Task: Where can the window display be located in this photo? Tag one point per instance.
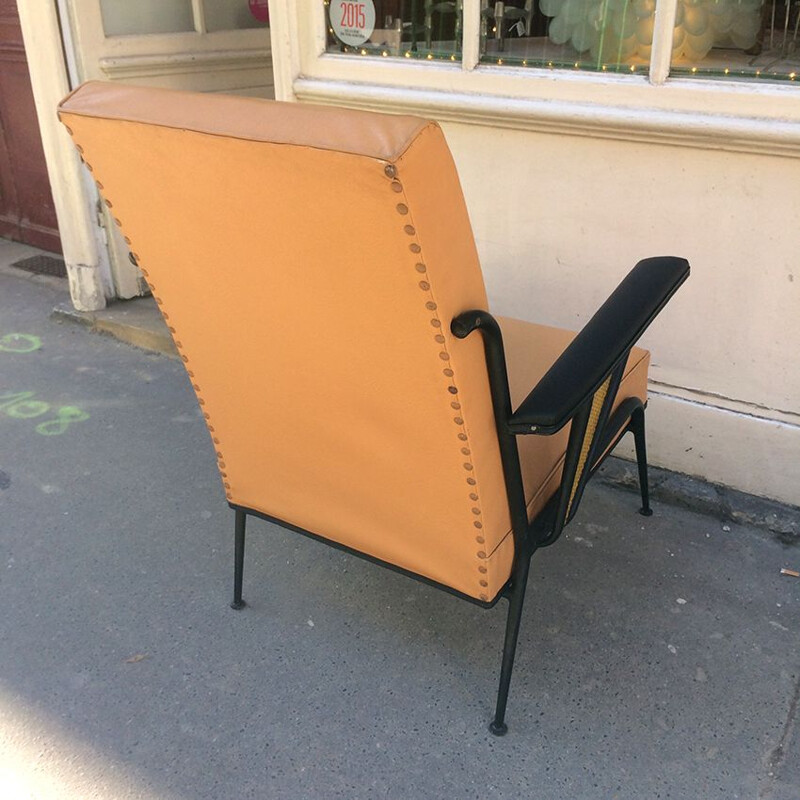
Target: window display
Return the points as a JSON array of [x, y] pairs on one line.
[[750, 39]]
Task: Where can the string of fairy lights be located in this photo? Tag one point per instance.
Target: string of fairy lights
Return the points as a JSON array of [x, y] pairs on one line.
[[616, 36]]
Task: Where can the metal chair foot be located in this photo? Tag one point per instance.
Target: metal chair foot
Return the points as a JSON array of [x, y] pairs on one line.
[[237, 604], [646, 512], [498, 730]]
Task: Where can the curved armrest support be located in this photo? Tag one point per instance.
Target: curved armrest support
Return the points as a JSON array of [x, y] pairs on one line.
[[604, 341]]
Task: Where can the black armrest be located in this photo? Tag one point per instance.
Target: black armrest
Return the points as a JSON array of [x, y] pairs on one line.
[[607, 338]]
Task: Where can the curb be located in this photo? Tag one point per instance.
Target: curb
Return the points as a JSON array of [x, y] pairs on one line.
[[137, 322], [711, 499]]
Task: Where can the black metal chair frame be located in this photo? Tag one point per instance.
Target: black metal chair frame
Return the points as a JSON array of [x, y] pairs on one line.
[[579, 389]]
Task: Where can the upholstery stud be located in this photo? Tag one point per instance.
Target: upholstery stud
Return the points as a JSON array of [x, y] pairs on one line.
[[466, 451], [118, 223], [452, 389], [480, 540], [439, 338], [127, 239], [390, 171], [424, 285], [468, 467], [481, 554], [410, 230], [462, 436], [482, 569], [472, 495], [445, 357], [458, 420], [476, 510], [436, 323], [431, 306], [448, 372], [455, 406], [422, 268], [471, 481], [483, 583], [478, 524], [484, 596], [402, 208], [414, 248], [396, 186]]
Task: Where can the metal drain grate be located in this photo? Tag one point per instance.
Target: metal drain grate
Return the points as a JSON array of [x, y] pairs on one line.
[[43, 265]]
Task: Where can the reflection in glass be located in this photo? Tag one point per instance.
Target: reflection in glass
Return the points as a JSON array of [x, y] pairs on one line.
[[229, 15], [429, 29], [126, 18], [738, 39]]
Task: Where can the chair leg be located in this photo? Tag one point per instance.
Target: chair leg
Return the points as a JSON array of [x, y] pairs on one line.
[[498, 726], [238, 559], [637, 428]]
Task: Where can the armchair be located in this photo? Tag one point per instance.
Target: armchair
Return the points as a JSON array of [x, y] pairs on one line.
[[318, 272]]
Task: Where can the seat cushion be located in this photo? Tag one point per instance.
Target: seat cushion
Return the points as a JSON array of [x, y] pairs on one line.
[[530, 351]]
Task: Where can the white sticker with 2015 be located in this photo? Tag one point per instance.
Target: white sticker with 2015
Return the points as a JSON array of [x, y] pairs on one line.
[[352, 22]]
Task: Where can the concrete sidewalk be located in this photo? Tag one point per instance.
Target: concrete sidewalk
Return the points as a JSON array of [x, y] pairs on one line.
[[659, 658]]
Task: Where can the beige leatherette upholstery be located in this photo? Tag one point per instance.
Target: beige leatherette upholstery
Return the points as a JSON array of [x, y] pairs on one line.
[[308, 261]]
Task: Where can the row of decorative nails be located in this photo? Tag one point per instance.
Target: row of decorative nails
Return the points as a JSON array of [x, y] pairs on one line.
[[178, 345], [390, 170]]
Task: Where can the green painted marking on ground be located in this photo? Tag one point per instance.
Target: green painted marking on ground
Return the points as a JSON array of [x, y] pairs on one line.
[[19, 343], [21, 405]]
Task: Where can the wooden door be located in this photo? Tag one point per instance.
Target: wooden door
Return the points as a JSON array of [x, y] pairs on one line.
[[27, 212]]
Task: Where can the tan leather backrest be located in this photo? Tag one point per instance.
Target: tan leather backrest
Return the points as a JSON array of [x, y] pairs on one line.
[[309, 261]]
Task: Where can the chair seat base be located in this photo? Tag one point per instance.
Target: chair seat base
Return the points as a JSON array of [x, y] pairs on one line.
[[245, 511]]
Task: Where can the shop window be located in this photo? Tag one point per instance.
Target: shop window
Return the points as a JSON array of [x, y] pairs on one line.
[[729, 39], [428, 29], [601, 35], [710, 38], [748, 39]]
